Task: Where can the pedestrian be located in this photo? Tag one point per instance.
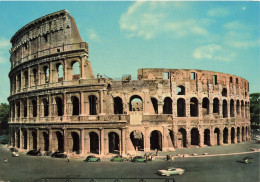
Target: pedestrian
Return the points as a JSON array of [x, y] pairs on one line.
[[6, 160], [68, 159]]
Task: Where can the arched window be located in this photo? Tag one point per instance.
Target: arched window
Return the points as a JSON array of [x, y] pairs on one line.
[[45, 107], [75, 70], [34, 108], [18, 109], [60, 72], [59, 106], [35, 73], [118, 105], [205, 106], [92, 104], [181, 107], [224, 107], [224, 92], [155, 105], [238, 106], [75, 105], [231, 108], [242, 108], [26, 78], [167, 105], [194, 107], [25, 108], [136, 103], [180, 90], [216, 105], [19, 81], [46, 73]]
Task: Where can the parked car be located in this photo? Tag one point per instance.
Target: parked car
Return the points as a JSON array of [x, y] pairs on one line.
[[117, 158], [171, 171], [59, 155], [248, 160], [92, 158], [13, 149], [139, 159], [34, 152]]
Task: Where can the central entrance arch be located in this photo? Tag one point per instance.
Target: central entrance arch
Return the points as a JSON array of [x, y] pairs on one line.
[[94, 142], [113, 143], [60, 140], [156, 140], [195, 139], [137, 139], [75, 138]]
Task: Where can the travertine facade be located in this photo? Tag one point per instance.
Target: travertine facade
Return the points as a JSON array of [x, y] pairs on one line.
[[56, 103]]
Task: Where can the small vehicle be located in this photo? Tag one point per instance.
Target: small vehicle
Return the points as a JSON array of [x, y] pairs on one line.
[[15, 154], [34, 153], [248, 160], [13, 149], [117, 158], [139, 159], [59, 155], [171, 171], [92, 158]]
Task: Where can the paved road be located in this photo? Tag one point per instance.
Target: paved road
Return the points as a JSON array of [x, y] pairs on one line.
[[213, 169]]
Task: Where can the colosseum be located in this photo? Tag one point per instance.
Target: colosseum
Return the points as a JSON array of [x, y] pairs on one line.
[[57, 104]]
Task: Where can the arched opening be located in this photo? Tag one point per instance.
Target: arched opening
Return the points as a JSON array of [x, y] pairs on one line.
[[167, 105], [224, 109], [25, 139], [34, 108], [238, 106], [118, 105], [45, 107], [216, 105], [92, 104], [60, 72], [46, 141], [242, 108], [232, 135], [181, 107], [60, 140], [232, 108], [195, 138], [59, 106], [224, 92], [75, 70], [34, 136], [19, 81], [246, 132], [137, 139], [94, 142], [75, 106], [207, 137], [171, 134], [75, 139], [25, 78], [136, 103], [180, 90], [35, 75], [182, 138], [18, 109], [243, 134], [46, 75], [238, 134], [155, 140], [205, 106], [113, 142], [194, 107], [155, 105], [25, 108], [225, 135], [217, 136]]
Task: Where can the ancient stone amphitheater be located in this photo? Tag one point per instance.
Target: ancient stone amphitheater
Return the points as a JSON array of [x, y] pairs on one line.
[[56, 103]]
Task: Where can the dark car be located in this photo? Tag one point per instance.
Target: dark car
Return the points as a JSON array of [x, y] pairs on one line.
[[34, 153], [92, 158], [13, 149], [59, 155]]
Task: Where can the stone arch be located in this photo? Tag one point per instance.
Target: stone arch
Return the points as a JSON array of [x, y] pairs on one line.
[[155, 140], [224, 92], [136, 103], [34, 140], [171, 135], [205, 106], [238, 106], [194, 110], [232, 107], [59, 106], [246, 133], [75, 139], [24, 134], [75, 70], [232, 135], [60, 72], [18, 109], [217, 136], [137, 139], [34, 107], [35, 76], [180, 90], [59, 141], [216, 105], [182, 138], [242, 108], [114, 144], [195, 136], [167, 105], [25, 74], [224, 109], [94, 142], [92, 105], [46, 74], [238, 134], [75, 105], [45, 107], [181, 107], [45, 141], [225, 135], [207, 137], [155, 104], [118, 105]]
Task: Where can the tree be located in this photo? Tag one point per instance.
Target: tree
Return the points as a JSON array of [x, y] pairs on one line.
[[255, 109], [4, 115]]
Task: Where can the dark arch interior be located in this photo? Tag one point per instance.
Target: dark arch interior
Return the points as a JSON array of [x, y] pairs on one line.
[[113, 143], [137, 140], [156, 140], [118, 105], [167, 106], [94, 142]]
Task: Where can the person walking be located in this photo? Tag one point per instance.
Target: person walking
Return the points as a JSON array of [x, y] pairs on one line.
[[68, 159]]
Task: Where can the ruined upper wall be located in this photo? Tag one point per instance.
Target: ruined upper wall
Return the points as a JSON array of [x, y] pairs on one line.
[[180, 76], [55, 32]]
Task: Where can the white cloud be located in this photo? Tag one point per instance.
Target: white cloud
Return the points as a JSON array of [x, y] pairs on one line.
[[218, 12], [150, 19], [213, 52], [93, 35]]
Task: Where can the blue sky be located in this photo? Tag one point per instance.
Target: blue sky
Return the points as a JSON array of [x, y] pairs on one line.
[[125, 36]]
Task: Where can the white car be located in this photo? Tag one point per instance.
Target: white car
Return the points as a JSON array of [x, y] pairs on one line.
[[15, 154], [170, 171]]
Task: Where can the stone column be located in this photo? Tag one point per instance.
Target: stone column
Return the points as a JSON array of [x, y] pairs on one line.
[[38, 109], [101, 95], [28, 139], [188, 137], [221, 108], [228, 108], [82, 110], [160, 107], [39, 75], [235, 135], [176, 138], [187, 105], [64, 107], [20, 138], [229, 135], [28, 109], [200, 108], [65, 142], [123, 141], [220, 136], [146, 140], [211, 108], [82, 138], [50, 107], [101, 145], [51, 74], [22, 81], [201, 137], [50, 140], [65, 70], [29, 78], [82, 70], [38, 138], [164, 139], [87, 144]]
